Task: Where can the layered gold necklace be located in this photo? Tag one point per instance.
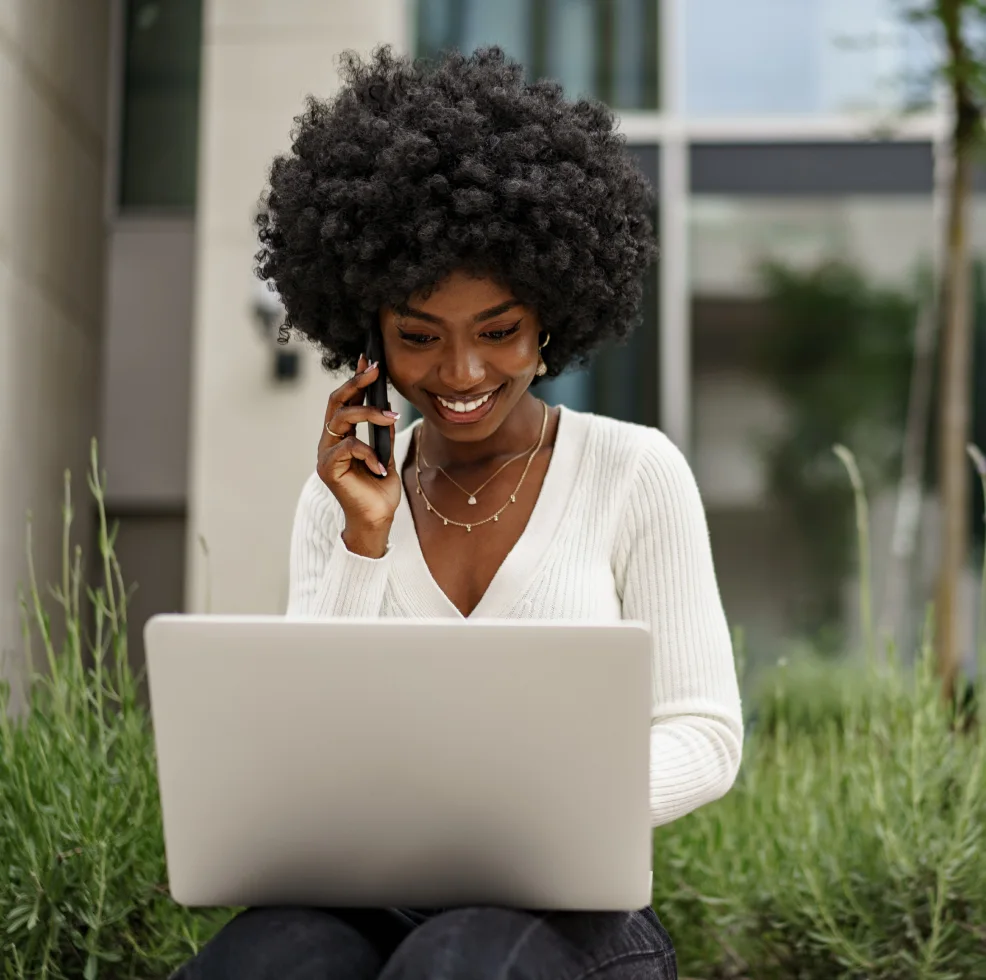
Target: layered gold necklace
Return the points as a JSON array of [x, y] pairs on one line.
[[446, 521], [473, 494]]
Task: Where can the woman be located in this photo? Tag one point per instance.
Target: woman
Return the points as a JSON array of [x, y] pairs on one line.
[[497, 234]]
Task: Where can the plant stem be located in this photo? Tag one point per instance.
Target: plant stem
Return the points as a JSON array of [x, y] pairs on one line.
[[863, 537], [979, 462]]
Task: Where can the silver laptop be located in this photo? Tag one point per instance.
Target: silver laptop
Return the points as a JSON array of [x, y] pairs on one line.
[[423, 764]]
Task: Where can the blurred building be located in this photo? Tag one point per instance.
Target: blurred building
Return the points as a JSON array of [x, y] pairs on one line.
[[136, 135]]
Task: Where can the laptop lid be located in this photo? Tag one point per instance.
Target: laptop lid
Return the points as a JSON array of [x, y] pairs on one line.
[[403, 763]]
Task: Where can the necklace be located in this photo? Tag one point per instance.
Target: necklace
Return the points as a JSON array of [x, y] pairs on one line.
[[513, 497], [475, 493]]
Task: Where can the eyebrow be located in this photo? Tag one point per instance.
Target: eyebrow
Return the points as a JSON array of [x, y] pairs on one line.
[[493, 311]]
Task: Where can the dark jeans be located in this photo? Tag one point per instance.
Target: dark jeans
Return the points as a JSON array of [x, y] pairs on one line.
[[464, 944]]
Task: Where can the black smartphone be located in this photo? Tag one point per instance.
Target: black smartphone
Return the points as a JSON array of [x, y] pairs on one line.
[[376, 395]]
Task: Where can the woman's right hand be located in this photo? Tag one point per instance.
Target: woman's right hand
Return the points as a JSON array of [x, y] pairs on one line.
[[369, 502]]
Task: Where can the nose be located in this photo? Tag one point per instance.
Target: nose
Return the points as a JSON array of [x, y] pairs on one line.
[[463, 368]]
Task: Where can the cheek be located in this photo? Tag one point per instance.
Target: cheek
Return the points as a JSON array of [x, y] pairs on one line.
[[402, 373], [524, 353], [512, 361]]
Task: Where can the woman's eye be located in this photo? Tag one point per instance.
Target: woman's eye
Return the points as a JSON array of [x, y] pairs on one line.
[[497, 335], [418, 339]]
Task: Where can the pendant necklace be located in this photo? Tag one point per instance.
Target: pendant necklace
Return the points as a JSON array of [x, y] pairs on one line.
[[511, 500]]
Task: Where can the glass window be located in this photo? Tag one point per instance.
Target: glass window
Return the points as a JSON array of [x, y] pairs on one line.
[[802, 319], [602, 48], [762, 57], [159, 139]]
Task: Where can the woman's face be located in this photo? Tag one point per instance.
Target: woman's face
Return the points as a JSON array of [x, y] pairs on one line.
[[464, 356]]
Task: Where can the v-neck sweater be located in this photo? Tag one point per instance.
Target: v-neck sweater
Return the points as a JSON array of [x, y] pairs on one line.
[[618, 532]]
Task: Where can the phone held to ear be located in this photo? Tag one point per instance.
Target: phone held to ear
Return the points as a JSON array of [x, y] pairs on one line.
[[376, 396]]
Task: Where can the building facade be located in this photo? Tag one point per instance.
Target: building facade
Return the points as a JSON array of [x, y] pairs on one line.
[[54, 126], [129, 307]]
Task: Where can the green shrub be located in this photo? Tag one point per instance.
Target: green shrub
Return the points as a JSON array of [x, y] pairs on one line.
[[85, 892], [807, 693], [850, 847]]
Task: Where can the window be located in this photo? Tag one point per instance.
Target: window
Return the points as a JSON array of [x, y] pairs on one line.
[[760, 57], [602, 48], [159, 138], [790, 358]]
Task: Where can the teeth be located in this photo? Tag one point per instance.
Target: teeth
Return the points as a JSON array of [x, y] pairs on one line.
[[465, 406]]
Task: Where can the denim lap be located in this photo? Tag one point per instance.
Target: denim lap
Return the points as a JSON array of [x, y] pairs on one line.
[[286, 944], [504, 944], [461, 944]]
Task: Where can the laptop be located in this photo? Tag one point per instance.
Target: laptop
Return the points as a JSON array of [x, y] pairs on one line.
[[409, 763]]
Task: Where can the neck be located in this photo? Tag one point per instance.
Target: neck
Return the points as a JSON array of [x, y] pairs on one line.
[[519, 431]]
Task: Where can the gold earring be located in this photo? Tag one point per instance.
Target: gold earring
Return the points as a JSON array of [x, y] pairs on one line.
[[542, 368]]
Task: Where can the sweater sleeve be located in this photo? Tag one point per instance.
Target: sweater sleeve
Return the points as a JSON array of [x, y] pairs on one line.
[[326, 579], [666, 578]]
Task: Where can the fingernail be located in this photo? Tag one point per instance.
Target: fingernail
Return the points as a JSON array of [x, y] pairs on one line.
[[383, 470], [372, 365], [392, 415]]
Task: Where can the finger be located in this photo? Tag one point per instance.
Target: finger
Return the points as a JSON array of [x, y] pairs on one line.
[[361, 381], [334, 431], [351, 391], [332, 436], [345, 420], [350, 415], [342, 455]]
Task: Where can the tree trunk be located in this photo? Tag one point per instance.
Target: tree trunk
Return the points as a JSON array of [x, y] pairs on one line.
[[954, 413], [907, 520]]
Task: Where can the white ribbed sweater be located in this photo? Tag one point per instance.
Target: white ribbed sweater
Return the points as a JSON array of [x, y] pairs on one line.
[[618, 532]]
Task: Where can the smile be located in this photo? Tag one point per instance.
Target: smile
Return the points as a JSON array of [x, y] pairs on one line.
[[465, 406], [461, 410]]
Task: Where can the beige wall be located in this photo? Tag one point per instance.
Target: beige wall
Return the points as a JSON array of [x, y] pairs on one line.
[[53, 58], [147, 343], [253, 442], [145, 408]]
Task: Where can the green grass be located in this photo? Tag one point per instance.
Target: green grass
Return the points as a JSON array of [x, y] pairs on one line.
[[851, 846], [80, 820]]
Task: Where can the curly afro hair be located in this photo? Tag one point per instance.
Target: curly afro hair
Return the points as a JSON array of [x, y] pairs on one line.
[[415, 170]]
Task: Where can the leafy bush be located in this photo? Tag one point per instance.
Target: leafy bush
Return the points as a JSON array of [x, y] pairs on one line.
[[852, 845], [80, 824], [808, 693]]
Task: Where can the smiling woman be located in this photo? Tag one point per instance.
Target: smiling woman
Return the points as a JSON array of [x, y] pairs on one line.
[[485, 233]]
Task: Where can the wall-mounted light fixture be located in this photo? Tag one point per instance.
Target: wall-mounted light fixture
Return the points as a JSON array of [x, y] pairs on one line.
[[268, 312]]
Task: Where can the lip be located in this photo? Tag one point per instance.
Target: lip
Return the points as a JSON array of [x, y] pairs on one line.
[[465, 418]]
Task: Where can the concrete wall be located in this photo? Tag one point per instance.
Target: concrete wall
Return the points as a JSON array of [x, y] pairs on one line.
[[145, 408], [148, 338], [253, 441], [53, 62]]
